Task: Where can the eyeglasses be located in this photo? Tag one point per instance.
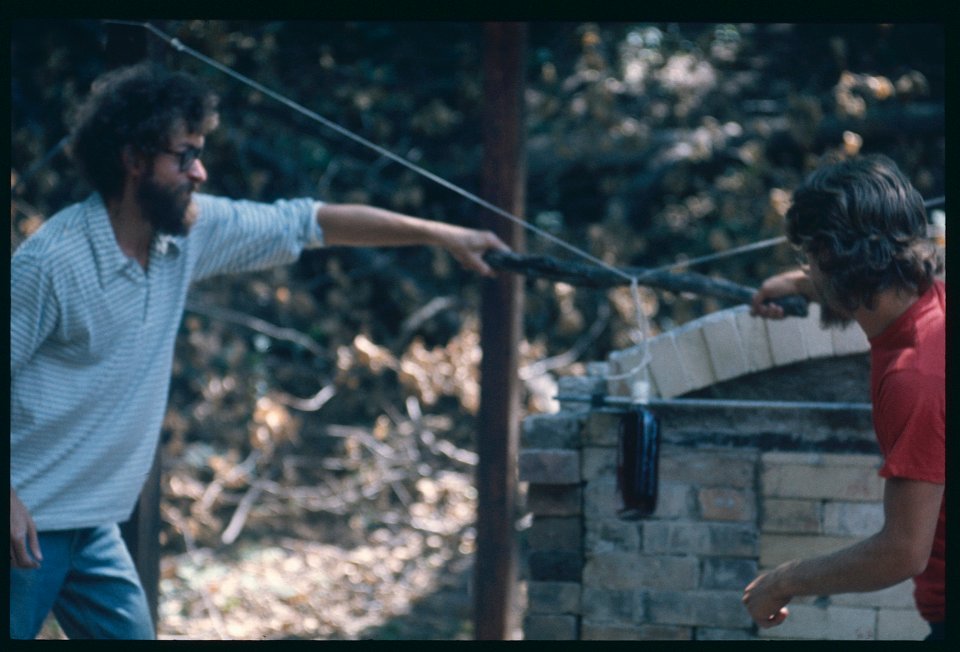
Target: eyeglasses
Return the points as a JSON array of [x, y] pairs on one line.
[[187, 156]]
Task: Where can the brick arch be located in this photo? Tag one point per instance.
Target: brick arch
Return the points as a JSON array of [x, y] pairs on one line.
[[728, 344]]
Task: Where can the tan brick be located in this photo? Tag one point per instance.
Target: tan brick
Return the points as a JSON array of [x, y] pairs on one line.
[[901, 625], [817, 340], [606, 632], [778, 548], [849, 340], [727, 504], [867, 460], [601, 500], [553, 597], [559, 430], [555, 500], [786, 341], [727, 352], [627, 570], [821, 459], [601, 429], [616, 571], [602, 605], [674, 500], [756, 341], [791, 515], [666, 366], [898, 596], [537, 627], [698, 608], [596, 462], [612, 535], [549, 466], [555, 533], [707, 467], [699, 538], [694, 356], [852, 519], [855, 483]]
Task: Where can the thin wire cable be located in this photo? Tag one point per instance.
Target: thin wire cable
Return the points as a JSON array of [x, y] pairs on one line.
[[180, 47], [642, 322], [763, 244]]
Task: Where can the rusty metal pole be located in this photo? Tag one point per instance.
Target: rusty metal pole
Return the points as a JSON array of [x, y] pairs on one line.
[[503, 180]]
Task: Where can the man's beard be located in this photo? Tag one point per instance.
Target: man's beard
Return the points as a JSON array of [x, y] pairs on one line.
[[171, 211], [831, 316]]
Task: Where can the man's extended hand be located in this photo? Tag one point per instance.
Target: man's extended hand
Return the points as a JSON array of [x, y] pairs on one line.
[[781, 285], [467, 247], [23, 533]]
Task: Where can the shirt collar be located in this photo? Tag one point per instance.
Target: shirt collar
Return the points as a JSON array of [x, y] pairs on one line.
[[107, 255]]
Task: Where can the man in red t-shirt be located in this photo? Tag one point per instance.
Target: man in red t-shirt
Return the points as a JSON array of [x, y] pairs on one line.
[[862, 229]]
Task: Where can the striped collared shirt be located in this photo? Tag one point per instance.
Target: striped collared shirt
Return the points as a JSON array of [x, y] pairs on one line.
[[91, 345]]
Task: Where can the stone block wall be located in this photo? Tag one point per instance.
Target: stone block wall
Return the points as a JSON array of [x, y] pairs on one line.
[[739, 491]]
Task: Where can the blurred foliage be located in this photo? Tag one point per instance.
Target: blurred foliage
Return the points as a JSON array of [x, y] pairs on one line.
[[646, 144]]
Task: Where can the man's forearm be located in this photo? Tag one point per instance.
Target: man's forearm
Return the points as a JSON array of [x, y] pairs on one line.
[[367, 226], [869, 565]]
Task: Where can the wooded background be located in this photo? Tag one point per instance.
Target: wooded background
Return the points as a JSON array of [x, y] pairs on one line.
[[328, 400]]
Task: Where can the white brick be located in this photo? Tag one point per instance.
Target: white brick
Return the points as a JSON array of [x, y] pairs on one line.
[[849, 340], [898, 596], [694, 356], [624, 362], [832, 624], [901, 625], [666, 366], [756, 341], [786, 340], [723, 341], [819, 341], [852, 519]]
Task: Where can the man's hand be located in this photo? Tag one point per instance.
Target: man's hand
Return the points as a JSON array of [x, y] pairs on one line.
[[23, 533], [785, 284], [765, 599], [467, 247]]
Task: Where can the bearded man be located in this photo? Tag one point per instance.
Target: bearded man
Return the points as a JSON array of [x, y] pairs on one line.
[[97, 297]]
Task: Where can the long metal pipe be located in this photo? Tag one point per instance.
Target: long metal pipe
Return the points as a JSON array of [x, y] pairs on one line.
[[600, 400]]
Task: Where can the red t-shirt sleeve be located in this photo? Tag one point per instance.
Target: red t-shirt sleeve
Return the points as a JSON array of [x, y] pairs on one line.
[[910, 426]]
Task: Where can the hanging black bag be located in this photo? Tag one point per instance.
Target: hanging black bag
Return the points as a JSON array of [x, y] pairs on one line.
[[638, 455]]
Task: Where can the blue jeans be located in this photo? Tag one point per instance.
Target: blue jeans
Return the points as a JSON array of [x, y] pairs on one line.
[[937, 632], [88, 579]]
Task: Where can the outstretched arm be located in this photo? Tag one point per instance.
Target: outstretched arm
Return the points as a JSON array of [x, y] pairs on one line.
[[366, 226], [898, 552]]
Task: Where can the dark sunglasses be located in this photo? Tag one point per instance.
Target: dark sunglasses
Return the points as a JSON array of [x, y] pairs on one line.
[[187, 156]]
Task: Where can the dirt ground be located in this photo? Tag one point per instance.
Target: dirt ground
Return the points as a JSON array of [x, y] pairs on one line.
[[403, 581]]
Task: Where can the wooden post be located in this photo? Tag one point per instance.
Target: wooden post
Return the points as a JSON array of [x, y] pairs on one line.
[[503, 178], [142, 536], [125, 45]]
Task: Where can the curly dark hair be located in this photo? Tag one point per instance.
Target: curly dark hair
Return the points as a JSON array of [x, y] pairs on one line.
[[865, 225], [138, 106]]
